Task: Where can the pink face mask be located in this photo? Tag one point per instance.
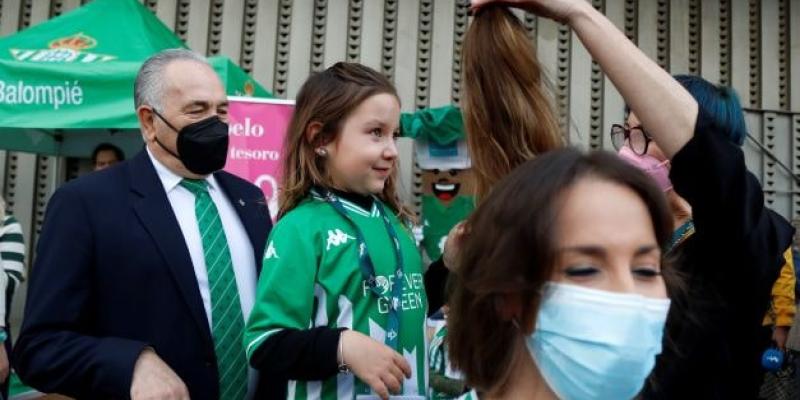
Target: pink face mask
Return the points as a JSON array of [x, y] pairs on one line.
[[658, 170]]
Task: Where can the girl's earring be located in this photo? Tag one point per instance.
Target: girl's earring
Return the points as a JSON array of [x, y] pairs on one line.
[[321, 151]]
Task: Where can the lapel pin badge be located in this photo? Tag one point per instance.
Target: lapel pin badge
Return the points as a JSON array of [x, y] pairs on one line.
[[241, 202]]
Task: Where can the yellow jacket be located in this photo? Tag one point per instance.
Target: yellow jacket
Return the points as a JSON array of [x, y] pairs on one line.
[[782, 309]]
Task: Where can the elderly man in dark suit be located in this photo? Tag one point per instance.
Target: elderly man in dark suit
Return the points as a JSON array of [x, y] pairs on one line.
[[146, 271]]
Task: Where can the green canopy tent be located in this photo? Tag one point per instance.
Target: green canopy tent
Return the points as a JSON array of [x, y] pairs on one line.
[[67, 84]]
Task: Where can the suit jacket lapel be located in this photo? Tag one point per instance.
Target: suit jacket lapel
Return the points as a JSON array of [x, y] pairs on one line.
[[155, 213]]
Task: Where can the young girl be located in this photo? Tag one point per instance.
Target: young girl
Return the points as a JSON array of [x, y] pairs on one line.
[[341, 304]]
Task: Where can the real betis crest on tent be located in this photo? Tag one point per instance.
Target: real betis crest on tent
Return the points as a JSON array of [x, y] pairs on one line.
[[67, 83]]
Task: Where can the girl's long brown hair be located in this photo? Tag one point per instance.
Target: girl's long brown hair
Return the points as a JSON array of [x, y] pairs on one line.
[[328, 98], [508, 116]]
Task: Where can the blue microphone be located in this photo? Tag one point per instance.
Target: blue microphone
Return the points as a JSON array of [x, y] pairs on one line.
[[772, 359]]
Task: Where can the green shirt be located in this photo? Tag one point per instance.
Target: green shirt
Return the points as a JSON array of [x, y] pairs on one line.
[[438, 219], [311, 278]]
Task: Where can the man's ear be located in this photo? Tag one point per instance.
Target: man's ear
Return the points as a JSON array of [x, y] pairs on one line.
[[147, 122]]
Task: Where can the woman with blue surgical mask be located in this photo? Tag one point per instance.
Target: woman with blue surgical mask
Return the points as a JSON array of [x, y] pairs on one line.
[[559, 289], [568, 299], [554, 293]]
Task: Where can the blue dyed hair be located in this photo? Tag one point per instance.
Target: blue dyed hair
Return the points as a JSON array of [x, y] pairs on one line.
[[721, 104]]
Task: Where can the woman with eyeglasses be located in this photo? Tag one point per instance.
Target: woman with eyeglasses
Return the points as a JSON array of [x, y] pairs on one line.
[[716, 327], [635, 145]]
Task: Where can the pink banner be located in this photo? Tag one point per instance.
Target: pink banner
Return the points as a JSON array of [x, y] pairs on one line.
[[256, 128]]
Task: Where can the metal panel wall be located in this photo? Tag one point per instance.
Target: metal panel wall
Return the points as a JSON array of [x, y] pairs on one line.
[[753, 45]]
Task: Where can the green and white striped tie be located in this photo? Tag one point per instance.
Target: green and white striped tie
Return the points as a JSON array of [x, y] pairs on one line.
[[226, 310]]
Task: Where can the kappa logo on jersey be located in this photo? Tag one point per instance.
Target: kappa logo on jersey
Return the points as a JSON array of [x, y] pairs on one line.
[[271, 253], [337, 238]]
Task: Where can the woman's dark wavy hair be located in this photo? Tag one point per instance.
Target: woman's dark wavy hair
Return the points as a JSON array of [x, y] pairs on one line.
[[510, 249]]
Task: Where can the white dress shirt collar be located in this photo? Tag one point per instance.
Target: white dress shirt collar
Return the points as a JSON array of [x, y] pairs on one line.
[[170, 179]]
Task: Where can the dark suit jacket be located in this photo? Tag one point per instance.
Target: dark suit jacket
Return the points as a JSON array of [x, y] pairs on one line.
[[112, 275]]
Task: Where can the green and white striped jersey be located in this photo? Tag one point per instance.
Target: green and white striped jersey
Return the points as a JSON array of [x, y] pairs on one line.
[[445, 382], [311, 278], [12, 249]]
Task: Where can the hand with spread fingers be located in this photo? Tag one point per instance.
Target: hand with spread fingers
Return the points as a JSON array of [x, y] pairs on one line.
[[380, 367]]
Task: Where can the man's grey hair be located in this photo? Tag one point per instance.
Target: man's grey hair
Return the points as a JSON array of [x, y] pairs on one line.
[[149, 86]]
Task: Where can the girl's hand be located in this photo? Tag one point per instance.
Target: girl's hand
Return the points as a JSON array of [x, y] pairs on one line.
[[559, 10], [380, 367]]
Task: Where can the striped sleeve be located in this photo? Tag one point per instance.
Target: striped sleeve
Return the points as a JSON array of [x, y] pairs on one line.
[[4, 280], [12, 250]]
